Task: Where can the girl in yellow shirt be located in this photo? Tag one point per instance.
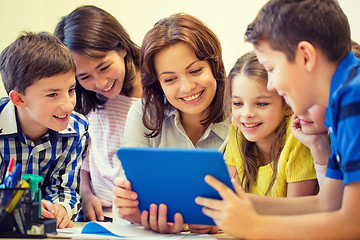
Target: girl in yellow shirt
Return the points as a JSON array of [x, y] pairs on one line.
[[262, 153]]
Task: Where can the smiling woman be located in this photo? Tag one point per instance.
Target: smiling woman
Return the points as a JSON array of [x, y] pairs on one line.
[[183, 78]]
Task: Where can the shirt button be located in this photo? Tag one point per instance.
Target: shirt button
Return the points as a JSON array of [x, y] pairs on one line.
[[338, 157], [330, 130]]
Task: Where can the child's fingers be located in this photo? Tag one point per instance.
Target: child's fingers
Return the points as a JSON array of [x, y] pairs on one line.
[[214, 214], [47, 209], [224, 191], [89, 214], [238, 189], [98, 213], [64, 221], [209, 203], [62, 218]]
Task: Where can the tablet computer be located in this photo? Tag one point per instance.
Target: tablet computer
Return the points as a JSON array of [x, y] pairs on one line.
[[175, 177]]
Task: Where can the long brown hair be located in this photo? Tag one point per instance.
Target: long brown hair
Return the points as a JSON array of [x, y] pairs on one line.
[[166, 32], [92, 31], [249, 65]]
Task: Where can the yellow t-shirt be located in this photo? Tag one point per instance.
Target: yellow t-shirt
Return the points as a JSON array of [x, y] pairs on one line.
[[295, 164]]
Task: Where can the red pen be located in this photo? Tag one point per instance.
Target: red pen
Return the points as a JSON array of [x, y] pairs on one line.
[[10, 167]]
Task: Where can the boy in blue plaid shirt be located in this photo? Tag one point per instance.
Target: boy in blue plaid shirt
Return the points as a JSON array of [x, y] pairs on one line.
[[38, 127]]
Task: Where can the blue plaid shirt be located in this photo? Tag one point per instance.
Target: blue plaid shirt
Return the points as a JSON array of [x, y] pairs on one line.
[[57, 157]]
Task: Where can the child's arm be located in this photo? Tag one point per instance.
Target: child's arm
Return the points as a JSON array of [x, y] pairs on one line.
[[301, 188], [326, 216], [91, 205], [64, 186]]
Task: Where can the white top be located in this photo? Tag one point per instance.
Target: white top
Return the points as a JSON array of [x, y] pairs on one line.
[[173, 133], [106, 130]]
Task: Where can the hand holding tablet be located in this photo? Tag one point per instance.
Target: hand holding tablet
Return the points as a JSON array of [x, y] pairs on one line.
[[174, 177]]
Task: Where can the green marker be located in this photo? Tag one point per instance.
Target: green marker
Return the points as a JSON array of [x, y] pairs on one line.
[[34, 182]]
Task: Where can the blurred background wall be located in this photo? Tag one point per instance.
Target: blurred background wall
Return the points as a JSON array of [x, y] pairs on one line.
[[227, 18]]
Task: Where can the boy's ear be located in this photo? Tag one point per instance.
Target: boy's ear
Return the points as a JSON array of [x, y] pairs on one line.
[[308, 54], [16, 99]]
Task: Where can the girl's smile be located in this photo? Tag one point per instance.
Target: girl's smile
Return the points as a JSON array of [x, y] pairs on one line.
[[111, 87], [251, 126]]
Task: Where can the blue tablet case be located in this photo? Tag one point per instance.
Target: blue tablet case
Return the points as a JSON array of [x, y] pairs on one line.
[[175, 177]]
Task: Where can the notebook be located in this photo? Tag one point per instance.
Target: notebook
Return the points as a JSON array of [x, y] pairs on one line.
[[175, 177]]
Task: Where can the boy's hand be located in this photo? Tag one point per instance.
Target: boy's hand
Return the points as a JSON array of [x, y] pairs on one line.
[[157, 220], [234, 213], [307, 139], [126, 201], [58, 211], [92, 208], [318, 143], [47, 209]]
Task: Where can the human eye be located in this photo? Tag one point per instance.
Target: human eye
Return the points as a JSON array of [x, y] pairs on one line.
[[51, 95], [104, 68], [237, 104], [262, 104], [169, 80], [196, 71], [84, 78]]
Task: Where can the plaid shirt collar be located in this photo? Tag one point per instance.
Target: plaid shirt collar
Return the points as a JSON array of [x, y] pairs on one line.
[[10, 126]]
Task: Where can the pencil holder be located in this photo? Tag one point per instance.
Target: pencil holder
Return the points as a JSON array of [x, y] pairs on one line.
[[12, 215], [19, 216]]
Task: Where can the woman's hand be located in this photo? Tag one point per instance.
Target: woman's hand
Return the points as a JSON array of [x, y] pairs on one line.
[[157, 220], [126, 201]]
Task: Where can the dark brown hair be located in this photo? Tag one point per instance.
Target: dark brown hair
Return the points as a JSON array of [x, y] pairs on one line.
[[33, 56], [249, 65], [89, 30], [167, 32], [355, 47], [285, 23]]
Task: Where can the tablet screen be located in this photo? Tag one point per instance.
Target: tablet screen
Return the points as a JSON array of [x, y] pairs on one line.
[[175, 177]]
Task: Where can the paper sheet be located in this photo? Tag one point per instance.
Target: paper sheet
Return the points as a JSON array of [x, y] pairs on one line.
[[106, 230]]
